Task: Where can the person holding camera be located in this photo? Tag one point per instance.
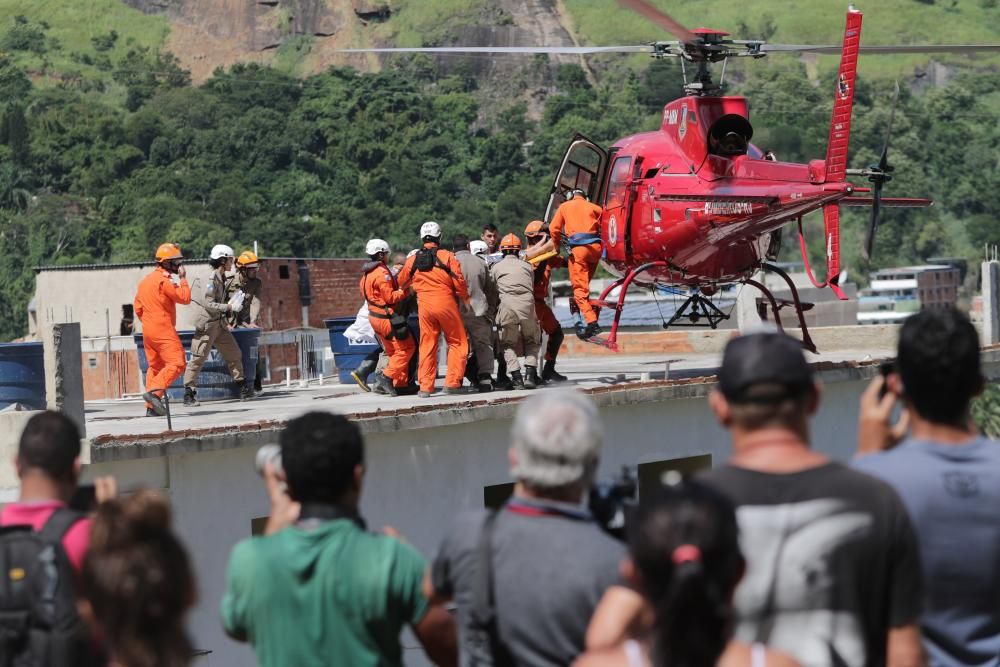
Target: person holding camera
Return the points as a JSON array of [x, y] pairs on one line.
[[318, 588], [526, 578], [948, 476]]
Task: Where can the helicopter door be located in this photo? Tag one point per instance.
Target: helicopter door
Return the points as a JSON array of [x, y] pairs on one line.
[[582, 167]]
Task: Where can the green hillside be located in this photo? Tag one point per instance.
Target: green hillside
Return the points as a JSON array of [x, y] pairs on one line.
[[82, 36], [808, 22]]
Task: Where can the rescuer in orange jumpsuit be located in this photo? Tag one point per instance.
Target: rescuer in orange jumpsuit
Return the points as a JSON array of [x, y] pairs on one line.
[[536, 236], [156, 307], [579, 222], [381, 291], [437, 279]]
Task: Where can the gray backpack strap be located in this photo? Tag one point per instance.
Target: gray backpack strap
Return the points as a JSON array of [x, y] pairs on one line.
[[483, 612]]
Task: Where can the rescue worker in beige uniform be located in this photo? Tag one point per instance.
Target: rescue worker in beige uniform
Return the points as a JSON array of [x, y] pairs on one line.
[[478, 316], [245, 280], [515, 280], [211, 328]]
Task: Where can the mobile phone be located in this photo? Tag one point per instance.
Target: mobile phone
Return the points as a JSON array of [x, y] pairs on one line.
[[885, 369], [84, 499]]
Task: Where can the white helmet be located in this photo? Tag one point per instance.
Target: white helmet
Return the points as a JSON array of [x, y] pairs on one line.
[[478, 247], [220, 251], [375, 246], [430, 229]]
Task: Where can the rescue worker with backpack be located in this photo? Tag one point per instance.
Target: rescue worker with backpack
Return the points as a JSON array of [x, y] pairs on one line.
[[382, 293], [437, 279], [541, 255], [155, 305], [579, 223], [516, 315], [211, 328], [42, 547]]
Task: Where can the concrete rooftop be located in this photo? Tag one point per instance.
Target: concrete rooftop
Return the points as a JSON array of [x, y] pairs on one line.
[[114, 424]]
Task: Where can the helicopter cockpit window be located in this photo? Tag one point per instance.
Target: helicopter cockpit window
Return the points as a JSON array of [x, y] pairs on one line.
[[730, 136], [618, 182]]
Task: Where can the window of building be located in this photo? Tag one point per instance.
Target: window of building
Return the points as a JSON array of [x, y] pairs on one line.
[[283, 272]]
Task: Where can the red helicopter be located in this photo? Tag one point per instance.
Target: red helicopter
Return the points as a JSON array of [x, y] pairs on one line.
[[695, 204]]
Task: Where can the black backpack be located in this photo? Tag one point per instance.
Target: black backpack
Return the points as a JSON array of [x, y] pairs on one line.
[[39, 622], [427, 259]]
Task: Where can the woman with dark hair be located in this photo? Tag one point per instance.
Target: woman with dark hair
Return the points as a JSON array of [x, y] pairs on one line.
[[136, 584], [684, 559]]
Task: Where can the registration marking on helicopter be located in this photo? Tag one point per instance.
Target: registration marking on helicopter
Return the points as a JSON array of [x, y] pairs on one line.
[[728, 208]]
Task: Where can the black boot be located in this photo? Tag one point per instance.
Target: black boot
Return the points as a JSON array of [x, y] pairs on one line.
[[384, 385], [361, 373], [189, 397], [484, 384], [246, 391], [530, 377], [549, 373], [156, 403], [592, 330], [516, 381]]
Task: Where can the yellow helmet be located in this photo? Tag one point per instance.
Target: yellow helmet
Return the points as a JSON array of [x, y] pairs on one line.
[[247, 260], [168, 251]]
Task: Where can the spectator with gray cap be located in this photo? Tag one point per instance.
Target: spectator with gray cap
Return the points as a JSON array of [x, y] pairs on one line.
[[526, 578], [833, 574]]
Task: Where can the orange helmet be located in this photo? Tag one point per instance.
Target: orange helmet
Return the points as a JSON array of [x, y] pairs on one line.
[[247, 260], [534, 228], [510, 242], [168, 251]]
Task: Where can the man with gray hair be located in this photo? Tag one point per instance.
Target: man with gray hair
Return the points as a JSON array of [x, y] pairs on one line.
[[526, 578]]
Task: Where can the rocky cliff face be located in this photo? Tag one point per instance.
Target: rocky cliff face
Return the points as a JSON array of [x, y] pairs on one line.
[[206, 34]]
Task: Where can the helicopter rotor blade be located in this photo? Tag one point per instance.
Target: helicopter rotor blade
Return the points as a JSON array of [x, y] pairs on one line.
[[517, 50], [660, 18], [883, 49], [873, 222], [883, 161]]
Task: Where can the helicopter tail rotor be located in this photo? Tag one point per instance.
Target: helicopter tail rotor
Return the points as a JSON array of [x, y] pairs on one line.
[[879, 174]]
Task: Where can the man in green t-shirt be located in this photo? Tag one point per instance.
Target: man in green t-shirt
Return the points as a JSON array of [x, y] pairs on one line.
[[318, 588]]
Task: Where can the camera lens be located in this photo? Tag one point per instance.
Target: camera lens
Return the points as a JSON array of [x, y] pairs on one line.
[[268, 454]]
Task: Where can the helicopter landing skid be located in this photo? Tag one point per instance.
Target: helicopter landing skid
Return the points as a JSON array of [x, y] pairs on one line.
[[611, 342], [796, 303]]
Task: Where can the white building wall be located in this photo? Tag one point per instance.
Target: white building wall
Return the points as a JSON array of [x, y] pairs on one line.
[[94, 297]]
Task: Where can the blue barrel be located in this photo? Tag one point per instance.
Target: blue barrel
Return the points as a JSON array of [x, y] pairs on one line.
[[214, 381], [346, 354], [22, 375]]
